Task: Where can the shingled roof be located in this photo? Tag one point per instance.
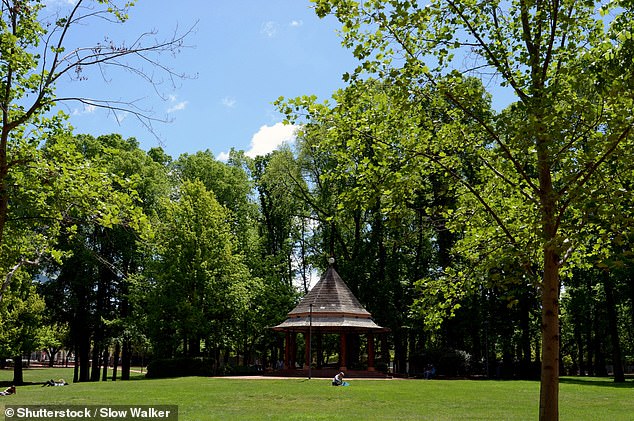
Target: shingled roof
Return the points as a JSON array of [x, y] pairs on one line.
[[334, 307]]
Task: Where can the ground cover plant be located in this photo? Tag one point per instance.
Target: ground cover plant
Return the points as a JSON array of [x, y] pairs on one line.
[[205, 398]]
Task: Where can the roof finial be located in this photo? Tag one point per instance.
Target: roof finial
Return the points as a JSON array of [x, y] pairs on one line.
[[331, 261]]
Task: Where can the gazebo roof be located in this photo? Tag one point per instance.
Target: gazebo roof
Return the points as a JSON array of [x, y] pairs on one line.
[[329, 306]]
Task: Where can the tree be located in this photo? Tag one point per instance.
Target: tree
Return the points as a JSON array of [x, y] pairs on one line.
[[198, 289], [54, 337], [572, 80], [89, 288], [36, 51], [376, 195], [21, 317], [230, 185]]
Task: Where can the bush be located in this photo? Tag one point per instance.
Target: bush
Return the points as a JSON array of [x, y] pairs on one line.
[[455, 362], [179, 367]]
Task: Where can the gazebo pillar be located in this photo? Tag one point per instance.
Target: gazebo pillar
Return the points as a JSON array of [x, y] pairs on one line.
[[343, 357], [307, 356], [287, 350], [370, 338], [293, 350], [320, 354]]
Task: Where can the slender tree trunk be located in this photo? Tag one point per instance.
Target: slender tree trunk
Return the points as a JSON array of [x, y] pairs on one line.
[[598, 368], [105, 358], [76, 370], [525, 360], [126, 359], [115, 362], [617, 360], [96, 357], [580, 359], [589, 344], [549, 390], [51, 358], [549, 385], [4, 140]]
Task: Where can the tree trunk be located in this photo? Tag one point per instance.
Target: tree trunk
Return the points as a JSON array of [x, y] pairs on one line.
[[52, 353], [580, 359], [617, 360], [76, 370], [115, 360], [126, 359], [549, 387], [96, 357], [589, 345], [525, 341], [105, 358], [18, 374], [598, 368], [194, 346], [83, 354]]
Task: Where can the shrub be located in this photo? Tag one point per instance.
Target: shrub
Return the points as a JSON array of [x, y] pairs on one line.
[[454, 362]]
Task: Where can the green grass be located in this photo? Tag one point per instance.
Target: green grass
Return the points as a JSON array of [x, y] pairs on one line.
[[201, 398]]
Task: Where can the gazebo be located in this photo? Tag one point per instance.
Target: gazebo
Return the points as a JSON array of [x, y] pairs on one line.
[[328, 308]]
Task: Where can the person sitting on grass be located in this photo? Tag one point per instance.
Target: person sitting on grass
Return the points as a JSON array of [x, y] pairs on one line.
[[51, 382], [338, 379], [430, 372], [8, 391]]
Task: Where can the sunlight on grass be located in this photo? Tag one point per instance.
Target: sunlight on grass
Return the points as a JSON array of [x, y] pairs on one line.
[[225, 398]]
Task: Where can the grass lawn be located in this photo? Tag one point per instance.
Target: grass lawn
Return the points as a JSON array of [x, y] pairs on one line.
[[200, 398]]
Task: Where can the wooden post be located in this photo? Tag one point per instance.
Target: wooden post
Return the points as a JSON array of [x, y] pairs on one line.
[[307, 350], [370, 338], [287, 350], [320, 354], [342, 351], [293, 350]]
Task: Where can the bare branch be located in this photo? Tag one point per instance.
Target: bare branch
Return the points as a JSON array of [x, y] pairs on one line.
[[467, 110], [9, 277], [101, 55]]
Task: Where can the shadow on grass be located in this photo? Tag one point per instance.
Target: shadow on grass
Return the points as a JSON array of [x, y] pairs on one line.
[[7, 383], [597, 381]]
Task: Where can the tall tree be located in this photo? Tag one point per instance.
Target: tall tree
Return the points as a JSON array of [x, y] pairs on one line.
[[375, 205], [198, 288], [564, 69], [36, 50], [89, 288]]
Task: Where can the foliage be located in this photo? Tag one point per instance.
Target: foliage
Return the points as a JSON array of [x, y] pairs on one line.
[[36, 51], [198, 287], [21, 316], [546, 159]]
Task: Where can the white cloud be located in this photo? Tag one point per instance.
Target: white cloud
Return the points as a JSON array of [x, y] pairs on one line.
[[267, 139], [296, 23], [223, 156], [229, 102], [177, 107], [119, 116], [269, 28], [88, 109]]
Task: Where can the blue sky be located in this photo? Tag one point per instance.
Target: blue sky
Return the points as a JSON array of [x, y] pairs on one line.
[[244, 54]]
